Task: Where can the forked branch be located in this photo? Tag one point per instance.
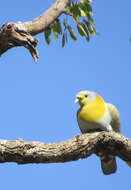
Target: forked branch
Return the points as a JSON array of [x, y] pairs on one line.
[[20, 34]]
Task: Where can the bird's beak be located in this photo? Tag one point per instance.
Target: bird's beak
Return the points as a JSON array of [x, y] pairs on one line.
[[76, 101], [78, 98]]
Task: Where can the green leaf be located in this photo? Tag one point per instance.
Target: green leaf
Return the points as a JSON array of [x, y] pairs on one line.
[[90, 28], [83, 13], [86, 10], [70, 9], [80, 29], [47, 35], [86, 32], [57, 27], [89, 8], [55, 35], [66, 36], [73, 36], [63, 40], [76, 11], [83, 30], [64, 22], [82, 7], [90, 18]]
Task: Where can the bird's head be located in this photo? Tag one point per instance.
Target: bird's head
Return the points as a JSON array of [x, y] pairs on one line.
[[86, 97]]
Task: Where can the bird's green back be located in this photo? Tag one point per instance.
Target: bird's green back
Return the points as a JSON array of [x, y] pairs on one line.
[[115, 123]]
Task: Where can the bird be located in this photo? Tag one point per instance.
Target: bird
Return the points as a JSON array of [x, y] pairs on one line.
[[94, 115]]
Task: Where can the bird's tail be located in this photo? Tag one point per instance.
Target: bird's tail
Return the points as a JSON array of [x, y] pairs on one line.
[[108, 164]]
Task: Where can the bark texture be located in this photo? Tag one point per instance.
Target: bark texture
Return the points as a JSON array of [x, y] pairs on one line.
[[81, 146], [20, 34]]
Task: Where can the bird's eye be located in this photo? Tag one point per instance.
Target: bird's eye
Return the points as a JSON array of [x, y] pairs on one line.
[[86, 95]]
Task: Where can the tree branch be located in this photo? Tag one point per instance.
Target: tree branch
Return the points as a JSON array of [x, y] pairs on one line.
[[20, 34], [41, 23], [81, 146]]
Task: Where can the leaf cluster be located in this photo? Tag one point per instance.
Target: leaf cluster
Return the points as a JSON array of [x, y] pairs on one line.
[[81, 12]]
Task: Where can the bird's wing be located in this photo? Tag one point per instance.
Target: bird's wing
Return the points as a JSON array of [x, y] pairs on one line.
[[115, 118]]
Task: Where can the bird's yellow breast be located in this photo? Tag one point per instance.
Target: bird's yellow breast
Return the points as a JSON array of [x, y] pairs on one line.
[[92, 111]]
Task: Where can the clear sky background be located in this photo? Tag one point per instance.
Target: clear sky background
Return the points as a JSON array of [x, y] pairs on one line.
[[37, 100]]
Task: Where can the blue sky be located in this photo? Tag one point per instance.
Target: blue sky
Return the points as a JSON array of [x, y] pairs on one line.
[[37, 100]]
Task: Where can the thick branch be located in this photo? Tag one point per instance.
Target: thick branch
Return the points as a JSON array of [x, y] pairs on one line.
[[80, 146], [12, 35], [39, 24], [20, 34]]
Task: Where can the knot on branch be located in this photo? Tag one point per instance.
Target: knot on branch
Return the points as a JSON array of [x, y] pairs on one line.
[[113, 144], [12, 34]]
